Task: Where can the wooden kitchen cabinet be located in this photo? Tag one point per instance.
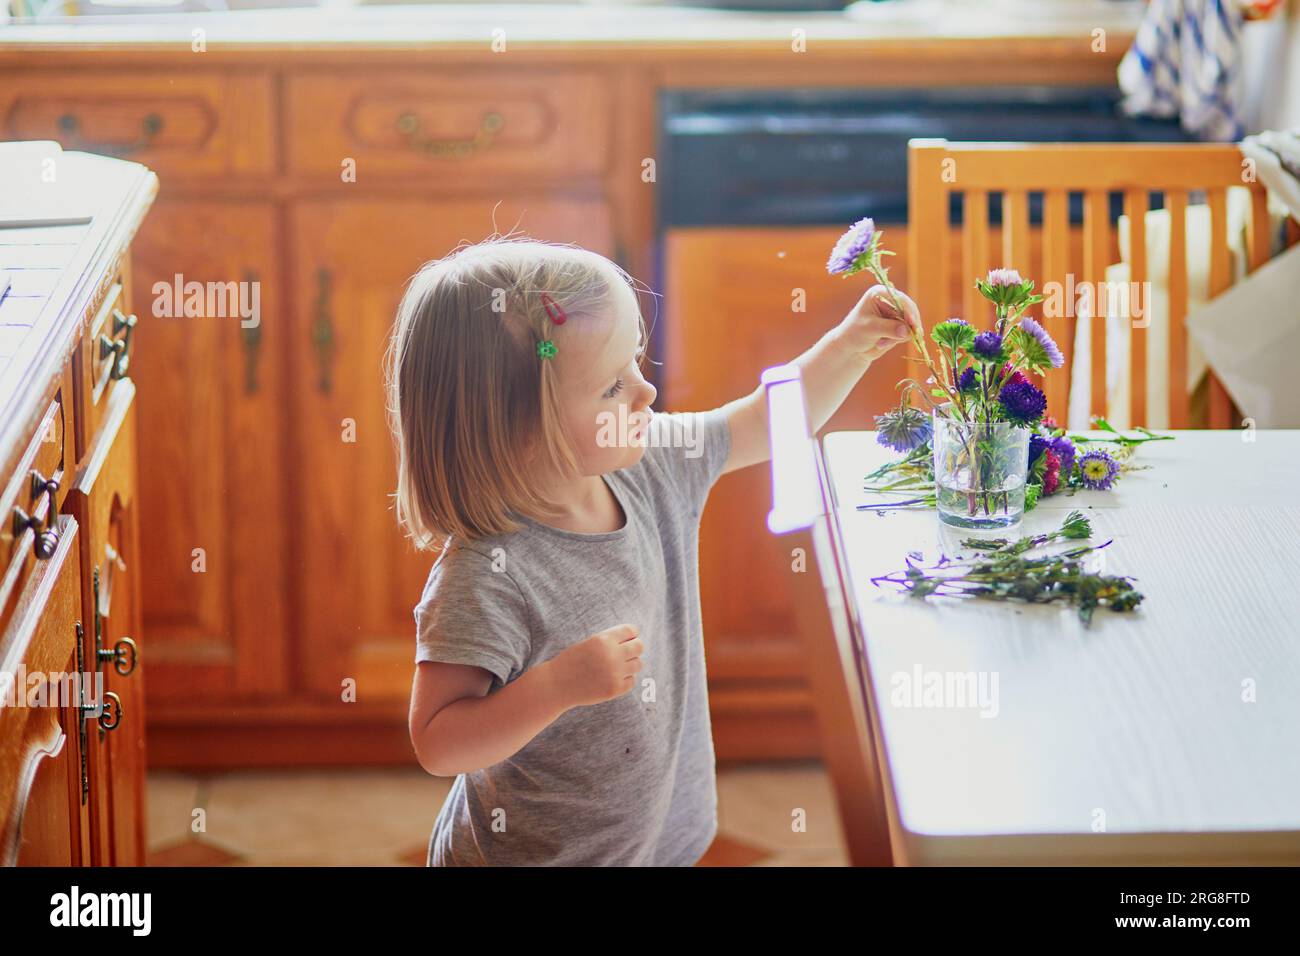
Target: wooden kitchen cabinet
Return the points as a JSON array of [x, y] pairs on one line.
[[214, 470], [358, 579], [730, 313], [72, 766]]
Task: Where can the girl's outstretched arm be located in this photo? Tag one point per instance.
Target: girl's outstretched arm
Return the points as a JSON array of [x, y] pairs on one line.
[[830, 370]]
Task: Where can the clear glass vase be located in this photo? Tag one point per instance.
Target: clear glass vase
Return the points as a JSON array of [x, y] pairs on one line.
[[979, 471]]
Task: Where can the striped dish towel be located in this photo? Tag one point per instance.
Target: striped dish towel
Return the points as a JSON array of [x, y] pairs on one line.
[[1184, 62]]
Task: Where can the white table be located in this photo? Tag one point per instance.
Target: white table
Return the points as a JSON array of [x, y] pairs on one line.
[[1128, 741]]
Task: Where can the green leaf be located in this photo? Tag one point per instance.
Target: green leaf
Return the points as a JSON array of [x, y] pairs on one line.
[[938, 393], [1039, 469], [1076, 525], [953, 335], [1031, 496]]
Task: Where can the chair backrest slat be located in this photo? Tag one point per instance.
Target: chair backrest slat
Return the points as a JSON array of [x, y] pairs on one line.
[[975, 245], [1220, 404], [1056, 268], [1176, 203], [1136, 202], [1260, 239], [1096, 249], [1015, 231], [927, 222]]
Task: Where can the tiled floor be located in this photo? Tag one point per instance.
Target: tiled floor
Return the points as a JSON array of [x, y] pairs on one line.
[[768, 815]]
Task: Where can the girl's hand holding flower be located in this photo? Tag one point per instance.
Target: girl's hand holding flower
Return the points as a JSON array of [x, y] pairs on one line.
[[874, 325]]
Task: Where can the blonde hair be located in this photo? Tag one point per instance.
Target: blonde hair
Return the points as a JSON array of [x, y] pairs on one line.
[[470, 402]]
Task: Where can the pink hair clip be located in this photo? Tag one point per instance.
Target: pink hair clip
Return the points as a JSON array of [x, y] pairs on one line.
[[553, 309]]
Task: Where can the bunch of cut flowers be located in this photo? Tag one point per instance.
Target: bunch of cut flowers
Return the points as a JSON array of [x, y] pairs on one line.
[[982, 377], [1003, 570]]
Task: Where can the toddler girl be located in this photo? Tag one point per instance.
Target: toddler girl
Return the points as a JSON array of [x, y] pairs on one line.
[[560, 661]]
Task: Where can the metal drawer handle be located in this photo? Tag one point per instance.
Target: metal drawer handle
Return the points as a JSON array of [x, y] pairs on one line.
[[252, 344], [150, 127], [111, 713], [124, 325], [124, 656], [46, 542], [108, 712], [125, 653], [114, 350], [322, 330], [408, 124]]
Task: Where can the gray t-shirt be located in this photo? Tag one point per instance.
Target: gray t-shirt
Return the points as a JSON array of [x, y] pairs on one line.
[[629, 781]]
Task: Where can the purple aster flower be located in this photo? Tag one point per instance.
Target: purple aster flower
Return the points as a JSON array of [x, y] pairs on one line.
[[959, 321], [1037, 445], [1023, 403], [966, 381], [903, 429], [1098, 470], [850, 247], [1040, 336], [988, 345], [1003, 278], [1064, 449]]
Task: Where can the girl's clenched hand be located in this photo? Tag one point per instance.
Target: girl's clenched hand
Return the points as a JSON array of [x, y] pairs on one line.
[[874, 326], [599, 668]]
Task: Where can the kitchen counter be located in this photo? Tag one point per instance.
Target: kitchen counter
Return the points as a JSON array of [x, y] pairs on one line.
[[59, 275], [649, 29]]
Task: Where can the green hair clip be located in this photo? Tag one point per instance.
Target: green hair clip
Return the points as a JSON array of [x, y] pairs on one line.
[[546, 349]]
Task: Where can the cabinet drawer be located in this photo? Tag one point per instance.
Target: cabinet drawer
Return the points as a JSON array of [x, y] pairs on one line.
[[29, 529], [188, 122], [104, 357], [406, 123]]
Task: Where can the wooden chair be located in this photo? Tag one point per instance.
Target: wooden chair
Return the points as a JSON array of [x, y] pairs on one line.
[[835, 665], [937, 169]]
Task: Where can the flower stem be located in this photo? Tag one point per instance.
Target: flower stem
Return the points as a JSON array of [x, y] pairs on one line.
[[918, 339]]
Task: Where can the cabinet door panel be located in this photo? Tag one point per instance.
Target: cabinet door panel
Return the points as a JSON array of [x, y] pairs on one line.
[[730, 313], [43, 814], [104, 501], [358, 578], [211, 403]]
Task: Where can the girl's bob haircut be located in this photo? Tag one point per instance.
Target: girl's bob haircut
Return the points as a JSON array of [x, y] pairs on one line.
[[473, 408]]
